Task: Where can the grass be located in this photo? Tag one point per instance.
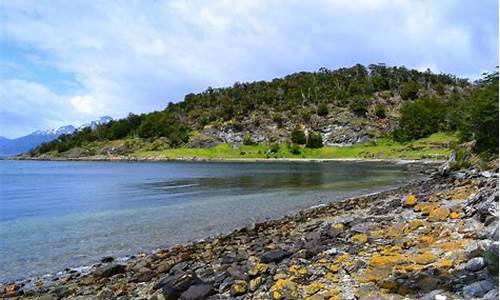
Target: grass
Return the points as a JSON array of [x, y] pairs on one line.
[[433, 147]]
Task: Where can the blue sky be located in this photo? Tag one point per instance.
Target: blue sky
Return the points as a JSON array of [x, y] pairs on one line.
[[68, 62]]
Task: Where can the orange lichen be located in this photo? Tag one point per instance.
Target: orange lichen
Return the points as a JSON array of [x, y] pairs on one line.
[[411, 200]]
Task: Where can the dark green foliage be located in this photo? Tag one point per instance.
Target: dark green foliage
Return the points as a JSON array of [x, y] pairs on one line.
[[314, 140], [322, 109], [380, 111], [484, 115], [359, 105], [247, 139], [420, 118], [295, 149], [298, 136], [409, 91]]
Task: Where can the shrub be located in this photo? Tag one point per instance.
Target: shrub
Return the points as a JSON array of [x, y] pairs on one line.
[[295, 149], [409, 91], [247, 139], [322, 109], [314, 140], [306, 116], [380, 111], [298, 136], [359, 105]]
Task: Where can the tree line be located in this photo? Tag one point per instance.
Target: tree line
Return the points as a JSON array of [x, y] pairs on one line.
[[306, 93]]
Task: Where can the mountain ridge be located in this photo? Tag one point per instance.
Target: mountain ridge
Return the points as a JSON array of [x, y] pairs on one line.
[[25, 143]]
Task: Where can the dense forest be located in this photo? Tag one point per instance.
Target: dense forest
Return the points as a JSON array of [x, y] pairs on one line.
[[415, 104]]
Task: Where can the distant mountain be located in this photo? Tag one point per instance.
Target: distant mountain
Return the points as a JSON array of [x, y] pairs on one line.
[[23, 144]]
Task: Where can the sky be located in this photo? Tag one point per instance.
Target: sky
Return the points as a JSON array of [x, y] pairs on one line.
[[69, 62]]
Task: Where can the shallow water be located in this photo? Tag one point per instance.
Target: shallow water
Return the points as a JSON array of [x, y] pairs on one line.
[[68, 214]]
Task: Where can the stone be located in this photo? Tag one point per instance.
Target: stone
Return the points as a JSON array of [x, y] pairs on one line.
[[274, 256], [238, 288], [478, 289], [255, 283], [174, 285], [144, 275], [197, 292], [107, 259], [258, 269], [454, 215], [363, 227], [105, 294], [475, 264], [411, 200], [110, 270], [439, 214], [11, 288]]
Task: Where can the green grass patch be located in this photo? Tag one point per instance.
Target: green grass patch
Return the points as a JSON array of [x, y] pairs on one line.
[[433, 147]]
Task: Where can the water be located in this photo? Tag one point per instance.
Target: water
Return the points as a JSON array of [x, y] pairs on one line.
[[55, 215]]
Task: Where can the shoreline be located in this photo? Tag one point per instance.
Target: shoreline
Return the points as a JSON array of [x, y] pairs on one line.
[[267, 259], [86, 269], [246, 160]]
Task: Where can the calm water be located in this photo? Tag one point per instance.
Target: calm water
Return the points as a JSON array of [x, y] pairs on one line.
[[68, 214]]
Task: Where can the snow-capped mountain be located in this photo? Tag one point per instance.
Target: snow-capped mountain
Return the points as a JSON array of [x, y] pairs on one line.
[[23, 144], [95, 123]]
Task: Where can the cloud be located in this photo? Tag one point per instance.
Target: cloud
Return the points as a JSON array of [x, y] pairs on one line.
[[136, 55]]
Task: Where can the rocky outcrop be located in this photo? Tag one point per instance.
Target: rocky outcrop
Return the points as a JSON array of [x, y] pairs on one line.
[[432, 239]]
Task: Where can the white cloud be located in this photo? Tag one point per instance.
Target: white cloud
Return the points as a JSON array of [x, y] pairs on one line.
[[86, 105], [136, 56]]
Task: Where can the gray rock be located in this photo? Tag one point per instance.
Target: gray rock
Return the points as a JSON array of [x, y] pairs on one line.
[[274, 256], [174, 285], [478, 289], [110, 270], [363, 227], [491, 295], [475, 264], [197, 292]]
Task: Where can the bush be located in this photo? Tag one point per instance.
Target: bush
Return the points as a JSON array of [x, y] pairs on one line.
[[274, 148], [420, 118], [380, 111], [298, 136], [322, 109], [409, 91], [295, 149], [359, 106], [247, 139], [314, 140]]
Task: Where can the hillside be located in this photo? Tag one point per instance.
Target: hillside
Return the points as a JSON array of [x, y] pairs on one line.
[[342, 107]]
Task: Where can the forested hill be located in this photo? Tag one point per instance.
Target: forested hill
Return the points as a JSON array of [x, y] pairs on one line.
[[343, 106]]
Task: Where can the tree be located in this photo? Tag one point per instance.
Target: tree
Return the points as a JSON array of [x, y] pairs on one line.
[[322, 109], [484, 115], [420, 118], [409, 91], [314, 140], [298, 136]]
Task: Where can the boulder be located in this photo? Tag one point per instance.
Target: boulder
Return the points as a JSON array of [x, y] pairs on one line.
[[478, 289], [173, 286], [274, 256], [197, 292], [110, 270]]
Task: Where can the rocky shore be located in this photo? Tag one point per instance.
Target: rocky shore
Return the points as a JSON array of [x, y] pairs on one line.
[[436, 238]]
